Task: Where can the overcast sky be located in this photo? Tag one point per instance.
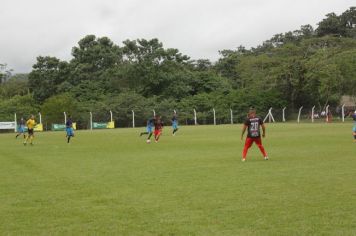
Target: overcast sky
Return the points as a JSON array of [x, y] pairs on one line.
[[198, 28]]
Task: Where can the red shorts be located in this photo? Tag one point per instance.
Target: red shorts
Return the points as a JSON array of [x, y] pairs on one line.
[[157, 132]]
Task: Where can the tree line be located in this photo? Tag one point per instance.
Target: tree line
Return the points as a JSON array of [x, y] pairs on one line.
[[304, 67]]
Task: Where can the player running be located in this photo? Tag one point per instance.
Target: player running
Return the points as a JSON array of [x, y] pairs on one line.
[[174, 124], [21, 128], [253, 124], [31, 123], [158, 128], [69, 129], [149, 129], [354, 128]]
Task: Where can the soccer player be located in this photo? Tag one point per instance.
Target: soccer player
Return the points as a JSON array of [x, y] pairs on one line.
[[69, 129], [354, 128], [158, 128], [149, 129], [31, 123], [253, 124], [174, 124], [21, 129]]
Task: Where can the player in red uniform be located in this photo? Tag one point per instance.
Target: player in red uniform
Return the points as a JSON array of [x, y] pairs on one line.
[[253, 124], [158, 127]]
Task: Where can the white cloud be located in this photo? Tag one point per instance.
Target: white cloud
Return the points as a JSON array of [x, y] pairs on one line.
[[198, 28]]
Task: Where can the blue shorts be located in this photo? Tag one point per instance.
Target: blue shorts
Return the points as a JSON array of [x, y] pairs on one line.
[[149, 129], [354, 129], [175, 125], [70, 132], [21, 129]]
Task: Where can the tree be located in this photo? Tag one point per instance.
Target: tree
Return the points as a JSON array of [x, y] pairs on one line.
[[331, 25], [53, 108], [23, 106], [348, 20], [92, 57], [47, 74], [16, 85], [5, 73]]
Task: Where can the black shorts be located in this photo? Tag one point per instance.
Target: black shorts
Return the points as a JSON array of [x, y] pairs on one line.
[[30, 131]]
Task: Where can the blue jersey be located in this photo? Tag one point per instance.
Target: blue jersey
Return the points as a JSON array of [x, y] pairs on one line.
[[150, 125], [69, 124], [69, 128], [174, 122], [354, 118], [21, 127]]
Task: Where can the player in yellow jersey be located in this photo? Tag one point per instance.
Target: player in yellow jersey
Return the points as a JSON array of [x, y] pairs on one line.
[[31, 123]]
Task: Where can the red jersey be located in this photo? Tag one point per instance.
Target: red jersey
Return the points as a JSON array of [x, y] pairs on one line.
[[158, 124]]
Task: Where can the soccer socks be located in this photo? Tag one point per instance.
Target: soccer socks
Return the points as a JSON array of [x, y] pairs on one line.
[[175, 130], [68, 139], [149, 136], [143, 133], [262, 149], [29, 138]]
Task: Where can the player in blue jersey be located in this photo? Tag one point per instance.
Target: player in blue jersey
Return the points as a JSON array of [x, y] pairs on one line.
[[21, 128], [69, 129], [354, 128], [174, 124], [149, 129]]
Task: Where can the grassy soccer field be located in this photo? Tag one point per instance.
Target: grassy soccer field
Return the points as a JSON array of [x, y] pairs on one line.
[[112, 182]]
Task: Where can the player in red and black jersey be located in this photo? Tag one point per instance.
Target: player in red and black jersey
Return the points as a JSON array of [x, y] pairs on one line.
[[158, 127], [253, 124]]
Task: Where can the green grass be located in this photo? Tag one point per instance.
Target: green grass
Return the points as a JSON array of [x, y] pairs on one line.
[[112, 182]]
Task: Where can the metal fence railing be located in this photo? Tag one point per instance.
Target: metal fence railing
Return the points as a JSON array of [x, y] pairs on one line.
[[214, 116]]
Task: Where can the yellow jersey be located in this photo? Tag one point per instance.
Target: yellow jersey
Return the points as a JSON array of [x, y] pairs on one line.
[[31, 124]]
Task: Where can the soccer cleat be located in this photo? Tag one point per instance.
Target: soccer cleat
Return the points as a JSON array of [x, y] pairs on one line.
[[266, 158], [24, 143], [243, 159]]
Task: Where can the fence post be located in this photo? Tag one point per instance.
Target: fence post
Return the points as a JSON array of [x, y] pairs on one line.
[[300, 111], [231, 117], [343, 112], [195, 117], [175, 112], [327, 113], [312, 114], [269, 116], [154, 113], [91, 120], [133, 119], [40, 116], [65, 117], [284, 114], [111, 116], [15, 123], [214, 116]]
